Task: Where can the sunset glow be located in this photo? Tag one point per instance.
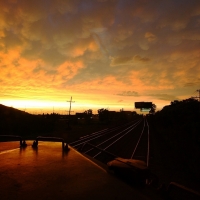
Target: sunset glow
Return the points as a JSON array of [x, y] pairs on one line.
[[103, 53]]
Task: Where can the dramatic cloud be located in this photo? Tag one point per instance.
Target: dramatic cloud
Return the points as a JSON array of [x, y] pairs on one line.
[[165, 97], [128, 60], [99, 50], [128, 93]]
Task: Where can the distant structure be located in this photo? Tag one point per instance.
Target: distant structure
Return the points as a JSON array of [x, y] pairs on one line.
[[145, 106]]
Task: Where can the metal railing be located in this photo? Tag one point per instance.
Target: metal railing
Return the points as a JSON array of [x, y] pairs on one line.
[[51, 139], [10, 138]]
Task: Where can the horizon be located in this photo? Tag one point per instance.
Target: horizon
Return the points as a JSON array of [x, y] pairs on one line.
[[65, 110]]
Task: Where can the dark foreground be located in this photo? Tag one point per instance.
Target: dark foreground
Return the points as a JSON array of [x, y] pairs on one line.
[[49, 173]]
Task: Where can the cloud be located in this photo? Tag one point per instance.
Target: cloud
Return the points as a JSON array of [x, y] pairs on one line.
[[128, 93], [121, 60], [100, 43], [150, 37], [120, 101], [124, 60], [192, 84], [67, 71], [142, 59], [165, 97], [101, 47]]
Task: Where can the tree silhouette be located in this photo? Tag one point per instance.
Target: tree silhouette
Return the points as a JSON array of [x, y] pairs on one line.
[[153, 109], [88, 115], [103, 115]]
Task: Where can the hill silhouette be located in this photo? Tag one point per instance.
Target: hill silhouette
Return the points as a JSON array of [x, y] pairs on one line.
[[17, 122]]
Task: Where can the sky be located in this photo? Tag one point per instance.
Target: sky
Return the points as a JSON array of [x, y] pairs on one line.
[[102, 53]]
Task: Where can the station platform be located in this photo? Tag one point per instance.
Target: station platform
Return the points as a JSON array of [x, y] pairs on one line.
[[47, 172]]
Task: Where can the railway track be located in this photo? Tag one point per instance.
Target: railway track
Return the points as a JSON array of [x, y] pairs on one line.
[[129, 141], [119, 147]]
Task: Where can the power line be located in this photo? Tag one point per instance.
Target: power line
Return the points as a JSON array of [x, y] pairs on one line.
[[198, 96]]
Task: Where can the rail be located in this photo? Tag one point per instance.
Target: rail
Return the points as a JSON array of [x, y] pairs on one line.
[[101, 150], [117, 158]]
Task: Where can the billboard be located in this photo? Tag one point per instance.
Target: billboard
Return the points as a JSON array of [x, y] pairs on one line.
[[143, 105]]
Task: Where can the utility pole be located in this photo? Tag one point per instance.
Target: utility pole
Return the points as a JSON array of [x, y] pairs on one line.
[[198, 96], [70, 106]]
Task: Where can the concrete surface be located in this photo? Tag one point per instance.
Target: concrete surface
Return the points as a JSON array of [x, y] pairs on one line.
[[49, 173]]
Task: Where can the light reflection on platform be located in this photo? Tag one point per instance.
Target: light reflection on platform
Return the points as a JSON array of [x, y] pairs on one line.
[[46, 172]]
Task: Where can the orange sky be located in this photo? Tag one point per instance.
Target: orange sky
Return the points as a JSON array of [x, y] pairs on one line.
[[103, 53]]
